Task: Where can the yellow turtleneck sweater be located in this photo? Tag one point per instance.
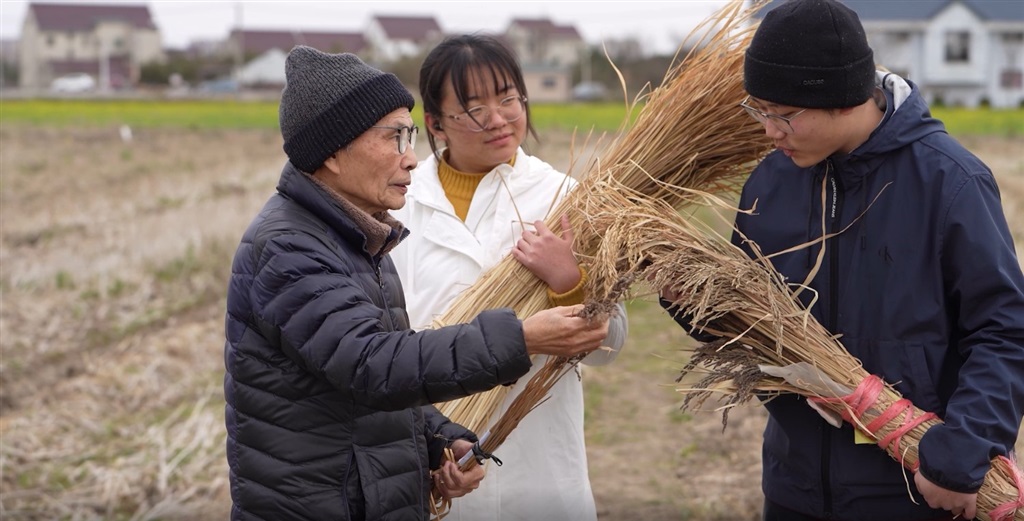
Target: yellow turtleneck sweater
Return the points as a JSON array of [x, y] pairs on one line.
[[459, 188]]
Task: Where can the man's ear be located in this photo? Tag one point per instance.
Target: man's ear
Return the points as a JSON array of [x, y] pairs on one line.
[[333, 162]]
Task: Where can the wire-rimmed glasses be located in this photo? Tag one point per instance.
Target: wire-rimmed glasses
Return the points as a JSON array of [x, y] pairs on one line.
[[406, 136], [783, 123], [478, 118]]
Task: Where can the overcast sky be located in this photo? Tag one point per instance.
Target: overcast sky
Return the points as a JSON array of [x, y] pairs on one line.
[[659, 26]]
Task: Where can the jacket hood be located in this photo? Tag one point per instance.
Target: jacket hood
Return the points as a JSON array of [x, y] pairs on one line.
[[907, 120]]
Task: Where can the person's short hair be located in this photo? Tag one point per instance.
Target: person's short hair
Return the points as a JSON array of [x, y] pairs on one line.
[[331, 99], [810, 54]]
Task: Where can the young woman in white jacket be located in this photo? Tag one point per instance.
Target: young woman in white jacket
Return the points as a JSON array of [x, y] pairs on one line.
[[479, 198]]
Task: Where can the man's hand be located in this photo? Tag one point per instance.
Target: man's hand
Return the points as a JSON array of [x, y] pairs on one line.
[[451, 481], [559, 332], [963, 506]]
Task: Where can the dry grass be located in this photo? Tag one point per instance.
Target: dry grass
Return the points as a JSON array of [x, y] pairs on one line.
[[111, 336], [114, 263]]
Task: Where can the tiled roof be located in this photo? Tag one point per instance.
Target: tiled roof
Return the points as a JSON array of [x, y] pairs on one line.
[[545, 27], [259, 42], [83, 17], [415, 28]]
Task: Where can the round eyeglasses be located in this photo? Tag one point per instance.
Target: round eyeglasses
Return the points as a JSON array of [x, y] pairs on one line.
[[406, 136], [783, 123], [478, 118]]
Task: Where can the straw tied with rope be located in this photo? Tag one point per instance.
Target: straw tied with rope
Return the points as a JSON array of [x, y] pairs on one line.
[[628, 229], [768, 343]]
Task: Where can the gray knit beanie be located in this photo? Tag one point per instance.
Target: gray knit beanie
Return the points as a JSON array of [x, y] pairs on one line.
[[330, 100], [810, 54]]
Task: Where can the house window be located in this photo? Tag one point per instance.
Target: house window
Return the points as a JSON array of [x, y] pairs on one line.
[[49, 41], [549, 82], [1011, 79], [958, 46]]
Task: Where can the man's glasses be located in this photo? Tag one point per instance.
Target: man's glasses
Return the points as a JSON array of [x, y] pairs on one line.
[[478, 118], [406, 136], [783, 123]]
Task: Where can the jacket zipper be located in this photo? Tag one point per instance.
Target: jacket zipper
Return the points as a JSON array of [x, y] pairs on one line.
[[383, 294], [833, 318]]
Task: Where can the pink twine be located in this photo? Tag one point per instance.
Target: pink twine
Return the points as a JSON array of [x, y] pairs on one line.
[[863, 397], [1006, 511]]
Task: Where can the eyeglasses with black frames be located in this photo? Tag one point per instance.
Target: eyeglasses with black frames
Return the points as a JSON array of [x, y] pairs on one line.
[[783, 123], [478, 118], [406, 136]]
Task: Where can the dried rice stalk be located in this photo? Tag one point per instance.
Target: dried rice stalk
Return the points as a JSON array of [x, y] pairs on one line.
[[764, 329], [689, 133]]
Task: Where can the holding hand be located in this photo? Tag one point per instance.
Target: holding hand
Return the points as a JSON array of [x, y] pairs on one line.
[[451, 481], [559, 332], [549, 257], [963, 506]]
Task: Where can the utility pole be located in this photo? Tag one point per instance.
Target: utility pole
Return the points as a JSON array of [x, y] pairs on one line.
[[240, 51]]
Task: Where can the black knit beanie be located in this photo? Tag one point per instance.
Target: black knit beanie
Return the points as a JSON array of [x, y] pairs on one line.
[[330, 100], [810, 54]]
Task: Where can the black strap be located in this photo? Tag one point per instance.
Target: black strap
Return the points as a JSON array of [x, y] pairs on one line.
[[480, 455]]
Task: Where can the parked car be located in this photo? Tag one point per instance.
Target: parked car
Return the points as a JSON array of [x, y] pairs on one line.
[[78, 82], [219, 86], [589, 91]]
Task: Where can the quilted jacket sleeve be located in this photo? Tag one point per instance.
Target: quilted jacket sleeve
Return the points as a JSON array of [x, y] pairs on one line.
[[440, 432], [323, 308]]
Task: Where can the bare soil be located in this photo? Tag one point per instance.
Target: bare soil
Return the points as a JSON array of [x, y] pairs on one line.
[[114, 258]]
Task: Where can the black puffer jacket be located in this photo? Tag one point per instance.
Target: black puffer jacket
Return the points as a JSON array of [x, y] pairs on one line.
[[325, 383]]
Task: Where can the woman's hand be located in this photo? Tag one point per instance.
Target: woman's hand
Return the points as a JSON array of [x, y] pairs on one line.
[[451, 481], [549, 257]]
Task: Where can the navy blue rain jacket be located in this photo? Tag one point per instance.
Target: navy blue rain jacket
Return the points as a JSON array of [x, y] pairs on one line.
[[325, 383], [924, 288]]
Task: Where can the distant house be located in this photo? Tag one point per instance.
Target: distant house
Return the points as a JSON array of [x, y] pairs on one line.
[[257, 42], [959, 52], [394, 37], [548, 83], [265, 71], [548, 52], [542, 42], [108, 42]]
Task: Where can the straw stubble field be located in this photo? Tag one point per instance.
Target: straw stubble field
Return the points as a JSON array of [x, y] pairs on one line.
[[114, 258]]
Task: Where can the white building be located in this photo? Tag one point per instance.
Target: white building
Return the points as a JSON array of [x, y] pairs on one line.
[[108, 42]]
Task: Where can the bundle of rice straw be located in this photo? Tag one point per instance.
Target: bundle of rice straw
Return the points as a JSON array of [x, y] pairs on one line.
[[688, 133], [770, 342]]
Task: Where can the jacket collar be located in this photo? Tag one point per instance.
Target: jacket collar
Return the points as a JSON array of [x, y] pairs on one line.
[[430, 193], [375, 234]]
